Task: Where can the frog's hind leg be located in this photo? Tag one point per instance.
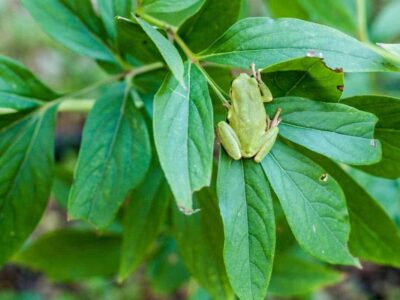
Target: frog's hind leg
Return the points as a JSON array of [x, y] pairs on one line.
[[269, 137], [229, 140], [267, 141]]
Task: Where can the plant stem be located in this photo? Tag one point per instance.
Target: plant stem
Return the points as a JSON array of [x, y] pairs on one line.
[[71, 103], [190, 55], [155, 22], [362, 21], [76, 105]]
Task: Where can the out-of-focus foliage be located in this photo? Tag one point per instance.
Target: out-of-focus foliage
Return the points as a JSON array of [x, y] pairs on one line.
[[145, 248]]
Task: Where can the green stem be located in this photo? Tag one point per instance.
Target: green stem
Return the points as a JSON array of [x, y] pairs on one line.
[[190, 55], [74, 104], [155, 21], [362, 21]]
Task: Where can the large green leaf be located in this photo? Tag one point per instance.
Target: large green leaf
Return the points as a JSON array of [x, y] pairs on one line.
[[173, 12], [387, 109], [135, 45], [72, 23], [295, 273], [385, 191], [112, 165], [306, 77], [338, 131], [317, 11], [184, 134], [374, 236], [209, 23], [167, 50], [392, 48], [26, 160], [266, 41], [200, 243], [143, 218], [70, 254], [109, 9], [247, 213], [313, 203], [17, 82], [321, 12]]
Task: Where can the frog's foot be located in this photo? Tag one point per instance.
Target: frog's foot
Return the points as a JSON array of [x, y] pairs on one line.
[[266, 94], [267, 141], [227, 105], [253, 70], [276, 120], [229, 140], [256, 73]]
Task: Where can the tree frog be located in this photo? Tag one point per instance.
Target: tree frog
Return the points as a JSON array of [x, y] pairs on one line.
[[248, 131]]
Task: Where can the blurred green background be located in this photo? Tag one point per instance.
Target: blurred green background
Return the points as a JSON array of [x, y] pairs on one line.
[[61, 69]]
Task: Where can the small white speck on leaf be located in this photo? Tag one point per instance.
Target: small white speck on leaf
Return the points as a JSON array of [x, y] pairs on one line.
[[314, 229]]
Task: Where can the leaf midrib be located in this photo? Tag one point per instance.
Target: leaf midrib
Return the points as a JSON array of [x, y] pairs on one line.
[[92, 198]]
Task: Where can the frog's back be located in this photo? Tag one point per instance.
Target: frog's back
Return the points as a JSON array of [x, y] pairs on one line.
[[247, 116]]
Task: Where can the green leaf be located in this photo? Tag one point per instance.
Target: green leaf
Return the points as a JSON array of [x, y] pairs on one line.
[[174, 12], [134, 43], [165, 270], [70, 254], [387, 130], [335, 130], [115, 163], [385, 191], [143, 218], [19, 85], [166, 6], [247, 213], [287, 9], [386, 26], [109, 9], [184, 134], [26, 159], [72, 23], [306, 77], [265, 41], [317, 11], [335, 13], [313, 203], [297, 274], [167, 50], [392, 48], [374, 236], [209, 23], [200, 243]]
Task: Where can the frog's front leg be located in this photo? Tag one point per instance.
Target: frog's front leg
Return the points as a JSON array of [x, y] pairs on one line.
[[229, 140], [266, 94]]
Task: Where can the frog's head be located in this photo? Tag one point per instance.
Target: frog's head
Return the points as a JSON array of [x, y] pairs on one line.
[[242, 86]]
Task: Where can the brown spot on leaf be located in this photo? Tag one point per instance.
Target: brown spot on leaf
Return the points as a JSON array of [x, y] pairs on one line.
[[340, 88], [324, 177]]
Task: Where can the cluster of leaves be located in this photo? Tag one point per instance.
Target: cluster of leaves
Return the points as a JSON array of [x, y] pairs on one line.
[[150, 138]]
